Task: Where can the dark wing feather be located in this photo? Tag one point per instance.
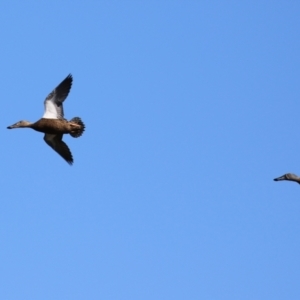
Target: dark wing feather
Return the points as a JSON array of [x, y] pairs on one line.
[[57, 144]]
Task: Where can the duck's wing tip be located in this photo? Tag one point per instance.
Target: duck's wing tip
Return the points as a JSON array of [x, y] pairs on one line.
[[59, 146], [54, 101]]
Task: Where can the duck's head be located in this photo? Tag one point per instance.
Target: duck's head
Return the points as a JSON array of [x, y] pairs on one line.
[[288, 176], [20, 124]]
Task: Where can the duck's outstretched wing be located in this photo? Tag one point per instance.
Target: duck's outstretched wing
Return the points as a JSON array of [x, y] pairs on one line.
[[57, 144], [54, 101]]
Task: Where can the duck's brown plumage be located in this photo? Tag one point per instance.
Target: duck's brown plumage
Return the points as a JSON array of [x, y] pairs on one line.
[[56, 126], [53, 123]]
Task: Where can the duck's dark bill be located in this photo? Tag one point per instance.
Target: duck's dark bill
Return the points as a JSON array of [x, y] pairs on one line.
[[12, 126], [283, 177]]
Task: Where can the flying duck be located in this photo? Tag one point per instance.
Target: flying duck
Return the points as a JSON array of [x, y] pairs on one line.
[[53, 123]]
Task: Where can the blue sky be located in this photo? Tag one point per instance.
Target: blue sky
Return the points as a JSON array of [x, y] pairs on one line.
[[191, 109]]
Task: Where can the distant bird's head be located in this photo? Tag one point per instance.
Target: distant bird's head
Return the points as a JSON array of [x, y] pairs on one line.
[[289, 177], [20, 124]]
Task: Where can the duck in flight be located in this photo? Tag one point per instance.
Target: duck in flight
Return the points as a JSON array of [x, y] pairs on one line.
[[289, 177], [53, 123]]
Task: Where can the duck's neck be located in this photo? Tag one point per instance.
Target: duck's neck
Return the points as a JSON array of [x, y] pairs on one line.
[[29, 125], [296, 179]]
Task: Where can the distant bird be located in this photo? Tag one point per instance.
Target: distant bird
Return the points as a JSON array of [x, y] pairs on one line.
[[53, 123], [289, 177]]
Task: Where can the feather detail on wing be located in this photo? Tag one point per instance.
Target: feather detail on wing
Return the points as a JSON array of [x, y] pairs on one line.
[[54, 101], [57, 144]]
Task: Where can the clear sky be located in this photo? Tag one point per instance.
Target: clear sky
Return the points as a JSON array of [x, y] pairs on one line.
[[191, 109]]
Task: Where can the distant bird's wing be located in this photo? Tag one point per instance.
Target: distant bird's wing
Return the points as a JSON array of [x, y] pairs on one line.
[[54, 101], [57, 144]]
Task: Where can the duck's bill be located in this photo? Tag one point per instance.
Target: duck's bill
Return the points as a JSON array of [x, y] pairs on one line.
[[283, 177], [12, 126]]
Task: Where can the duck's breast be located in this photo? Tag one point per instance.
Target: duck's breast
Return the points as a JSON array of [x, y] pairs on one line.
[[51, 126]]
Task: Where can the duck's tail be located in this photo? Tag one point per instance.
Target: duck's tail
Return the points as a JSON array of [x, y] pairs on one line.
[[77, 131]]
